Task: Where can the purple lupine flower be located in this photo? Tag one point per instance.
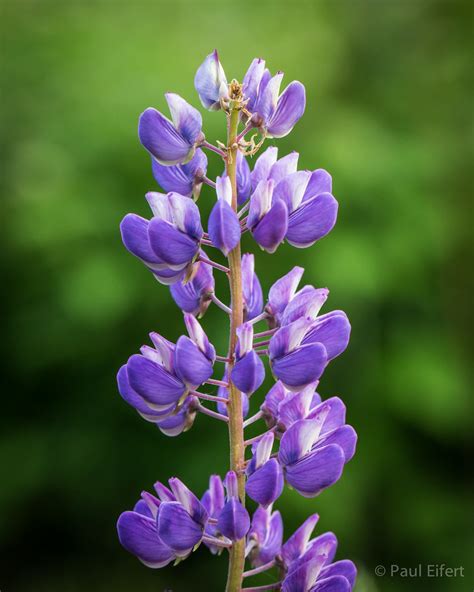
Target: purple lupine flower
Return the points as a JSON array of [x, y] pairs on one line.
[[286, 304], [138, 533], [213, 500], [185, 179], [248, 372], [211, 83], [251, 288], [194, 356], [312, 209], [313, 451], [194, 296], [265, 476], [224, 225], [148, 381], [234, 520], [171, 142], [309, 563], [274, 113], [169, 242], [181, 523], [223, 393], [268, 217], [304, 340], [265, 536]]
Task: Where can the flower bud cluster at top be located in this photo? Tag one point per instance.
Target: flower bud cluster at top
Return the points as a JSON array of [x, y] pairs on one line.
[[306, 441]]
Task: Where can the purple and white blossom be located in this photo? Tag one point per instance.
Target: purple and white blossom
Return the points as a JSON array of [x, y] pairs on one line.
[[175, 141]]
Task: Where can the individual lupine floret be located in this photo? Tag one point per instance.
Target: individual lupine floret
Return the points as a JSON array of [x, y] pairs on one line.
[[182, 521], [248, 372], [300, 351], [211, 83], [169, 242], [156, 380], [185, 179], [309, 563], [251, 288], [312, 209], [171, 142], [286, 304], [234, 520], [265, 536], [194, 356], [313, 452], [213, 500], [138, 533], [268, 217], [224, 225], [264, 474], [194, 296], [271, 403], [273, 113]]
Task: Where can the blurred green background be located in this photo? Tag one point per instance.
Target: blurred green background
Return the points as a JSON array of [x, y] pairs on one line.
[[388, 114]]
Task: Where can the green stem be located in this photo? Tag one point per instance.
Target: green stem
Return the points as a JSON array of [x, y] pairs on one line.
[[236, 428]]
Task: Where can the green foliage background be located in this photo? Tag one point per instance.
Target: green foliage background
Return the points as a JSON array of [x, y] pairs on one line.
[[388, 114]]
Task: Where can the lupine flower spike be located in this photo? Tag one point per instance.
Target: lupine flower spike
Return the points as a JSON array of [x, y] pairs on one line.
[[303, 440]]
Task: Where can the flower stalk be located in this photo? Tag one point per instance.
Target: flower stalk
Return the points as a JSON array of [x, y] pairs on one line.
[[236, 428]]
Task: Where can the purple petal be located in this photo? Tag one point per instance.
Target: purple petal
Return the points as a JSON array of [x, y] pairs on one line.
[[345, 437], [324, 544], [271, 230], [265, 485], [307, 303], [344, 568], [134, 230], [283, 290], [320, 182], [267, 100], [160, 137], [301, 367], [171, 245], [295, 407], [289, 337], [251, 82], [333, 584], [194, 296], [210, 82], [243, 179], [248, 373], [153, 382], [181, 178], [197, 334], [333, 331], [188, 500], [316, 471], [298, 440], [191, 365], [185, 215], [312, 220], [187, 119], [290, 108], [224, 227], [214, 498], [296, 544], [251, 288], [303, 577], [138, 534], [263, 166], [291, 189], [234, 520], [135, 400], [336, 416], [284, 167], [177, 529]]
